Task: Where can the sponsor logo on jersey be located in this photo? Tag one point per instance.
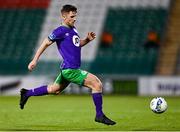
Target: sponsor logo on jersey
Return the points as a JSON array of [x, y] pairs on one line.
[[76, 40]]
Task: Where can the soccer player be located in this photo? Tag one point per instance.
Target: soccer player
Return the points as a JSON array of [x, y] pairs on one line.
[[69, 46]]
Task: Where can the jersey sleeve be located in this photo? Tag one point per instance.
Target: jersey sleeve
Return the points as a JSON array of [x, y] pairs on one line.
[[56, 34]]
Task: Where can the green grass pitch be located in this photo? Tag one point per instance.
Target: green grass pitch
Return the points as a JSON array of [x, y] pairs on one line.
[[76, 113]]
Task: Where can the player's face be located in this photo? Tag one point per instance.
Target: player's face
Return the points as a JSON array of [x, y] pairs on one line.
[[70, 18]]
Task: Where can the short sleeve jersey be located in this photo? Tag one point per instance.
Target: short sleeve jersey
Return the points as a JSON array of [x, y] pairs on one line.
[[68, 43]]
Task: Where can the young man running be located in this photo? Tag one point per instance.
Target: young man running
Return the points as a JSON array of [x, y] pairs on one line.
[[69, 46]]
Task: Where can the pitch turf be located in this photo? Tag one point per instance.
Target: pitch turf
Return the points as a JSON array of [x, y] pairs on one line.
[[76, 113]]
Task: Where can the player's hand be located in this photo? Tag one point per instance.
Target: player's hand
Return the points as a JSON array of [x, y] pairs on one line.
[[91, 36], [32, 65]]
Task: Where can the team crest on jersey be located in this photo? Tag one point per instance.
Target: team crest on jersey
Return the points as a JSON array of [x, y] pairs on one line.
[[76, 40], [83, 72]]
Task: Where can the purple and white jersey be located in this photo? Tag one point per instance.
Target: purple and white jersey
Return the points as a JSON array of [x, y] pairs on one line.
[[68, 43]]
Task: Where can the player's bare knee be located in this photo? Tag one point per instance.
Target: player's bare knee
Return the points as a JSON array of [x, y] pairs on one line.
[[53, 89], [50, 90], [98, 86]]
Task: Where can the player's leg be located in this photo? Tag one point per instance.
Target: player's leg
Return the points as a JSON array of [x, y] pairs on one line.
[[95, 84], [57, 88], [59, 85], [89, 80], [25, 94]]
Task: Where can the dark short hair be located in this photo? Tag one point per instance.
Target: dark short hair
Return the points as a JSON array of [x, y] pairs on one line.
[[68, 8]]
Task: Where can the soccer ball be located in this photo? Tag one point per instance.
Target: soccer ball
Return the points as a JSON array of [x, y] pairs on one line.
[[158, 105]]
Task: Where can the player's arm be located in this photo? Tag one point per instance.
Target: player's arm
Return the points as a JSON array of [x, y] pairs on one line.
[[91, 36], [47, 42]]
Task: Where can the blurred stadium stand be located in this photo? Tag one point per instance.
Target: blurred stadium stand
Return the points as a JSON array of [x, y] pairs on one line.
[[25, 23], [168, 60], [130, 28], [129, 22], [20, 24], [117, 17]]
